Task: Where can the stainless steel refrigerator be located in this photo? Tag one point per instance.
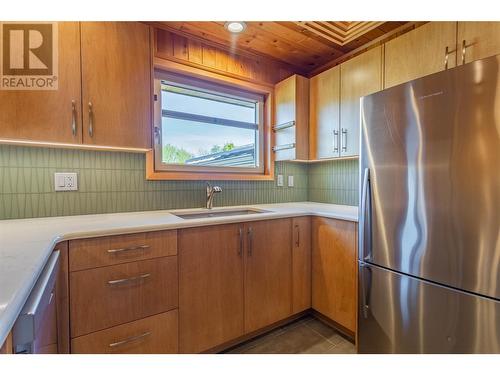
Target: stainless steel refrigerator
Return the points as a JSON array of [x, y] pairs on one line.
[[429, 229]]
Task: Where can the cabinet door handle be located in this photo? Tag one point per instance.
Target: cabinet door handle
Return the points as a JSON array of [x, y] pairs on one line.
[[91, 120], [464, 47], [446, 56], [73, 117], [344, 140], [240, 249], [132, 248], [297, 243], [250, 241], [129, 339], [129, 280], [335, 140]]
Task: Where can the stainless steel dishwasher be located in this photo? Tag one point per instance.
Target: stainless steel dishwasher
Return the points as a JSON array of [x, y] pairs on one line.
[[35, 330]]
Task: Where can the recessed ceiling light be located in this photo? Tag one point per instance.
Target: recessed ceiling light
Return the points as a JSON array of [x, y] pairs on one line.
[[235, 26]]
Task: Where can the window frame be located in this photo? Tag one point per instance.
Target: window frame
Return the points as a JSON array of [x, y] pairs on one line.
[[157, 170]]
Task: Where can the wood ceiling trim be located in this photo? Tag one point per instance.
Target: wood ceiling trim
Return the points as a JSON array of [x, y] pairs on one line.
[[222, 44], [338, 32]]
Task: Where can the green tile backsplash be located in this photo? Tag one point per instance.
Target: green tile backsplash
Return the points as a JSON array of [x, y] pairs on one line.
[[115, 182], [334, 181]]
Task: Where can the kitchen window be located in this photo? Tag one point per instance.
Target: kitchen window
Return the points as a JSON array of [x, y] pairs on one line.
[[206, 127]]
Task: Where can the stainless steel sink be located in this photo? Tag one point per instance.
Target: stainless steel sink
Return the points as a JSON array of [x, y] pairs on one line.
[[221, 213]]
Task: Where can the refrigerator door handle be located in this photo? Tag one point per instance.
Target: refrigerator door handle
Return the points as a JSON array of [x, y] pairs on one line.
[[365, 220], [365, 288]]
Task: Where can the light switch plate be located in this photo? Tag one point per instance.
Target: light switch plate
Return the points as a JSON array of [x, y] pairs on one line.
[[65, 181], [290, 181], [279, 182]]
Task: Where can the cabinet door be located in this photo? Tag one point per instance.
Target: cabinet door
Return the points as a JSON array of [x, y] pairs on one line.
[[334, 270], [292, 108], [210, 286], [49, 115], [420, 52], [301, 264], [482, 39], [359, 77], [324, 114], [116, 84], [268, 273]]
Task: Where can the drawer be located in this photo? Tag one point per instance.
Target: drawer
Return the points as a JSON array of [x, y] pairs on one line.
[[110, 250], [154, 335], [108, 296]]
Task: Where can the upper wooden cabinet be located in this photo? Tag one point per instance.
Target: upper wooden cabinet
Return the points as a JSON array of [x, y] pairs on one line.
[[291, 119], [210, 286], [116, 84], [359, 76], [324, 114], [104, 84], [334, 270], [427, 49], [268, 273], [477, 40], [48, 115]]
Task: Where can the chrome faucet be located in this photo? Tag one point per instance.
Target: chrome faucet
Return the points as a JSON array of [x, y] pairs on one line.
[[211, 190]]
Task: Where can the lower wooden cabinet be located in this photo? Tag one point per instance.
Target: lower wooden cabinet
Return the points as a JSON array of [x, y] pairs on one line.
[[334, 270], [153, 335], [210, 286], [107, 296], [301, 264], [233, 279], [6, 347], [268, 273], [227, 281]]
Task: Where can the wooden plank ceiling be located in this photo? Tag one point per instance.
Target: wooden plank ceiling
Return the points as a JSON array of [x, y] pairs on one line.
[[304, 45]]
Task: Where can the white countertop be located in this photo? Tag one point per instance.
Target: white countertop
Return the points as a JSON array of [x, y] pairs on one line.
[[26, 244]]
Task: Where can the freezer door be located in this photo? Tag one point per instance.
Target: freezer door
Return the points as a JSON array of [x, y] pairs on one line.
[[402, 314], [431, 148]]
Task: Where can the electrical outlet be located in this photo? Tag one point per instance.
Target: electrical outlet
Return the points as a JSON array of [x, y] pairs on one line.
[[65, 181], [290, 181], [279, 182]]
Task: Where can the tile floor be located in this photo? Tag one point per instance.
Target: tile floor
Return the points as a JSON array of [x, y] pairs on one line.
[[307, 335]]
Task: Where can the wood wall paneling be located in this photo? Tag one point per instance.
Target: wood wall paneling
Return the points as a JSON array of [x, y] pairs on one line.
[[170, 46], [292, 44]]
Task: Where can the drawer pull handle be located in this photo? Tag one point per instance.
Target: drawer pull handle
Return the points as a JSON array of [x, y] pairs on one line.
[[141, 247], [129, 280], [130, 339]]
